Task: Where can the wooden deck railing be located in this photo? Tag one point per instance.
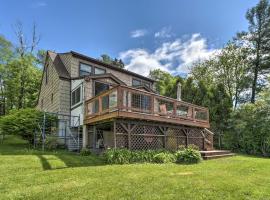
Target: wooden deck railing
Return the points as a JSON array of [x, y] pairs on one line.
[[128, 99]]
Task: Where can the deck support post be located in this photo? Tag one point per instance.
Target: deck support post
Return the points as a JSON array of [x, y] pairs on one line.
[[94, 136], [114, 133], [85, 136]]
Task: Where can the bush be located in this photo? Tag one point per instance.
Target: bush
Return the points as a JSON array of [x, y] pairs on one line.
[[164, 158], [125, 156], [117, 156], [193, 146], [188, 156], [85, 152], [24, 122], [51, 143]]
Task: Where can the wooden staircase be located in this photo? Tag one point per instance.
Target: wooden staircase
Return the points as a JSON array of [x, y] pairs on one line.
[[214, 154]]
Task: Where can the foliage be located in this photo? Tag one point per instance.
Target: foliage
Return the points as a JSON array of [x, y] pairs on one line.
[[116, 62], [24, 122], [164, 157], [125, 156], [117, 156], [51, 143], [85, 152], [188, 156], [257, 39], [20, 72], [249, 130]]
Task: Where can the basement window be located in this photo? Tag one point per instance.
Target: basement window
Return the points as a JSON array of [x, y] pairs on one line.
[[76, 96]]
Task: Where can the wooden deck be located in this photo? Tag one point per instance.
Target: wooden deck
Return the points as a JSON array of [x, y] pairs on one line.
[[130, 103]]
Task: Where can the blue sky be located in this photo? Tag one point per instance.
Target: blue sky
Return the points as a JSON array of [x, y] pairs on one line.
[[146, 34]]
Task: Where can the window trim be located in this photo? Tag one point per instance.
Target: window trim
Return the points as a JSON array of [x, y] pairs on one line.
[[47, 74], [52, 98], [76, 104]]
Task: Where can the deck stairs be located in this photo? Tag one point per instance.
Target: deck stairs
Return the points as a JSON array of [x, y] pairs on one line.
[[214, 154]]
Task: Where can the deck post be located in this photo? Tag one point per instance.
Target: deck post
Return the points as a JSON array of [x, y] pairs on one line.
[[94, 136], [85, 136], [114, 133]]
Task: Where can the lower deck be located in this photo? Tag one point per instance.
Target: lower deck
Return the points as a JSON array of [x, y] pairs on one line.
[[144, 135]]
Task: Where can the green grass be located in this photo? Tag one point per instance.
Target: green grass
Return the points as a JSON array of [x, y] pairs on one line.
[[30, 174]]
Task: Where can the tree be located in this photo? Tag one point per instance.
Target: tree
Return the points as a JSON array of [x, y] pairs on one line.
[[258, 40], [6, 54], [107, 59]]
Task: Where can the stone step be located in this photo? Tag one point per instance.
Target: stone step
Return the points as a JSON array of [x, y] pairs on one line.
[[213, 154], [218, 156]]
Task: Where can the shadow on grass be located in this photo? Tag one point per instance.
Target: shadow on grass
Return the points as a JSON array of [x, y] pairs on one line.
[[50, 160]]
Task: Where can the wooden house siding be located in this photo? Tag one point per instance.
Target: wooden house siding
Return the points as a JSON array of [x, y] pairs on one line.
[[51, 88]]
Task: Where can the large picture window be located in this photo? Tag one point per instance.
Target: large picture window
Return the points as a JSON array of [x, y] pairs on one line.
[[76, 96], [85, 69]]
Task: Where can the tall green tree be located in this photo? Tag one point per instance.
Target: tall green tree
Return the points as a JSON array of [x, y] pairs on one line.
[[257, 38]]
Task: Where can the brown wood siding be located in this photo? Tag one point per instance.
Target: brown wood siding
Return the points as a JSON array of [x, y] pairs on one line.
[[46, 91]]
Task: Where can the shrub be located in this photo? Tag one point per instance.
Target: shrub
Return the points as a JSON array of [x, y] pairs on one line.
[[164, 157], [24, 122], [51, 143], [193, 146], [188, 156], [85, 152], [124, 156], [117, 156]]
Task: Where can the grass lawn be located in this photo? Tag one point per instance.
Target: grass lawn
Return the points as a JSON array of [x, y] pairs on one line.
[[28, 174]]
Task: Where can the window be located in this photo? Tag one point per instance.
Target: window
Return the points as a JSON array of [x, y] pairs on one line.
[[85, 69], [52, 98], [146, 84], [99, 71], [76, 96], [46, 74], [136, 82]]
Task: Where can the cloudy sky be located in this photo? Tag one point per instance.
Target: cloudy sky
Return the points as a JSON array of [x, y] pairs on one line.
[[145, 34]]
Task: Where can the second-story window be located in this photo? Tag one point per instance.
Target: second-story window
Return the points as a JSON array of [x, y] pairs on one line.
[[99, 70], [85, 69], [136, 82], [76, 96]]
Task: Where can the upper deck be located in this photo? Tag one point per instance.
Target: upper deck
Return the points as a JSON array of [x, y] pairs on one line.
[[127, 102]]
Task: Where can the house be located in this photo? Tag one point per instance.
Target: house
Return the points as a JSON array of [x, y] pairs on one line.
[[117, 108]]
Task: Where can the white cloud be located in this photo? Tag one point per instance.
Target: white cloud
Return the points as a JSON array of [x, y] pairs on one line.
[[165, 32], [138, 33], [175, 56]]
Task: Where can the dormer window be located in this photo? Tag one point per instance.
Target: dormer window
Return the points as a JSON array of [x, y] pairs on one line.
[[85, 69]]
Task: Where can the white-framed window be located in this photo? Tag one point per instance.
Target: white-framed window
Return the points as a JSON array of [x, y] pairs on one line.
[[99, 71], [85, 69], [76, 96]]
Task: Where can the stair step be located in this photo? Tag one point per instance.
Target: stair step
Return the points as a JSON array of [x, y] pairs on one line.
[[214, 152], [218, 156]]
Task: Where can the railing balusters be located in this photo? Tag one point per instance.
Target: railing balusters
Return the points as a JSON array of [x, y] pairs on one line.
[[146, 102]]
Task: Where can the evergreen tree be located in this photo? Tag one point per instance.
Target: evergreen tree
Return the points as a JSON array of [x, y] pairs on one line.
[[258, 40]]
